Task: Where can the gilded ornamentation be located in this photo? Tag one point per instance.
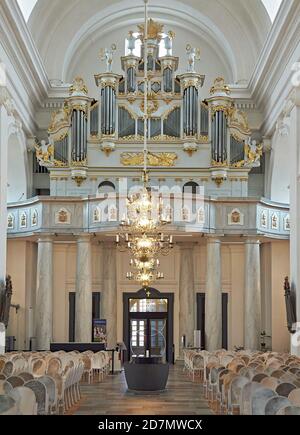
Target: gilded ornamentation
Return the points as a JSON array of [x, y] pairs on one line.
[[81, 164], [79, 180], [10, 222], [44, 152], [34, 218], [78, 87], [63, 217], [60, 119], [253, 153], [238, 122], [190, 148], [108, 148], [155, 30], [23, 220], [154, 159], [97, 215], [287, 223], [221, 108], [274, 221], [152, 105], [236, 217], [220, 86], [219, 164], [264, 219]]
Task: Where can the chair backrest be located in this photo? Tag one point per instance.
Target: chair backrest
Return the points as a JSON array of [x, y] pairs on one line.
[[50, 387], [26, 376], [259, 400], [289, 410], [236, 387], [7, 406], [54, 366], [8, 368], [27, 402], [39, 367], [40, 392], [247, 393], [5, 387], [294, 397], [2, 364], [275, 404], [271, 383], [15, 381], [259, 377], [284, 389], [2, 377], [277, 373]]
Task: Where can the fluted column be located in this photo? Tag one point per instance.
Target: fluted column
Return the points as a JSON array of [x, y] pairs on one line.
[[187, 294], [252, 309], [213, 296], [109, 293], [44, 293], [83, 304]]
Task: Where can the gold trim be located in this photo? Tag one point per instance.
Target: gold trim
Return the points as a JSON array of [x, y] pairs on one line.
[[154, 159]]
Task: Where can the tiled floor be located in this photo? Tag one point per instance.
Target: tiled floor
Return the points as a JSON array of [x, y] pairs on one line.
[[110, 397]]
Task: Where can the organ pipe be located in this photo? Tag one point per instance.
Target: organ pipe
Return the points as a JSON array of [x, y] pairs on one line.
[[219, 137], [108, 110], [79, 136], [190, 104]]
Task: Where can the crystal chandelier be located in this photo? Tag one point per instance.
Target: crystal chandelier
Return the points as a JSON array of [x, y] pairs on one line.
[[141, 228]]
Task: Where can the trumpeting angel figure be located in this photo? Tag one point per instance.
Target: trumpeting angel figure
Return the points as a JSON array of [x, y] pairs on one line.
[[108, 55], [193, 55]]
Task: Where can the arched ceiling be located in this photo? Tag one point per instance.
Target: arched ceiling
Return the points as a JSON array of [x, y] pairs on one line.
[[235, 30]]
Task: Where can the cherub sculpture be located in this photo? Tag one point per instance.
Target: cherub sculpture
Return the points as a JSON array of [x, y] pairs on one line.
[[108, 55], [193, 55], [44, 151], [254, 152]]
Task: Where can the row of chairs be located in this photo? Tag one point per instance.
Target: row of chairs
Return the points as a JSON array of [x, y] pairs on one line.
[[53, 378], [245, 382]]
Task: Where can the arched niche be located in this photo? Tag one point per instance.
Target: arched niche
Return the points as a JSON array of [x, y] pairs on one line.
[[17, 167]]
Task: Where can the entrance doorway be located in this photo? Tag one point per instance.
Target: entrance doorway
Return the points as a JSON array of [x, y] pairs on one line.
[[148, 324]]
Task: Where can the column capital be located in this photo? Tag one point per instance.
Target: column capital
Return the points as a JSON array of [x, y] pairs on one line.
[[84, 237], [252, 241], [45, 238], [211, 238]]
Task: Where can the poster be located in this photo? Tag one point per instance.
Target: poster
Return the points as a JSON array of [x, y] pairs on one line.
[[99, 331]]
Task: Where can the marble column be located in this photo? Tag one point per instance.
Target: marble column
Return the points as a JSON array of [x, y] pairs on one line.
[[44, 293], [187, 294], [109, 293], [213, 296], [4, 124], [3, 189], [84, 295], [294, 169], [252, 301]]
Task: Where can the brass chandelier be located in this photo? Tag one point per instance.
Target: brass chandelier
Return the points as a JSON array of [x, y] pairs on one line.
[[141, 229]]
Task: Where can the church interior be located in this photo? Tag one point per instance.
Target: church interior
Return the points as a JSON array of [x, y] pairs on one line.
[[149, 186]]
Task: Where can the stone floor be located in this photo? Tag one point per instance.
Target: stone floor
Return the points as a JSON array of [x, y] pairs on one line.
[[110, 397]]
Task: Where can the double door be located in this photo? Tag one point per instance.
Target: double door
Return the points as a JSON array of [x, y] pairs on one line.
[[148, 335]]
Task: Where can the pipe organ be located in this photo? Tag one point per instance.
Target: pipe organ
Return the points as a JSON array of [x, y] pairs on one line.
[[183, 121]]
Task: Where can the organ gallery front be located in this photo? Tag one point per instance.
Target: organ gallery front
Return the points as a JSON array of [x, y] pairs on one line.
[[205, 164]]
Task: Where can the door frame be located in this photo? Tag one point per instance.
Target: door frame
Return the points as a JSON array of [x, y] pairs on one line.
[[155, 294], [201, 318]]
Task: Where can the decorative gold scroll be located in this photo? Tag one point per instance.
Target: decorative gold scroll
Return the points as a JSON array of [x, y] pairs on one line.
[[154, 159]]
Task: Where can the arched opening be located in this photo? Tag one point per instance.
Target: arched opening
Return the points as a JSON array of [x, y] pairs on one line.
[[191, 187], [106, 187], [16, 170]]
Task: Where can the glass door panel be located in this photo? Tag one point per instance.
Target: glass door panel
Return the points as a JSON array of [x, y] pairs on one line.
[[138, 337], [157, 339]]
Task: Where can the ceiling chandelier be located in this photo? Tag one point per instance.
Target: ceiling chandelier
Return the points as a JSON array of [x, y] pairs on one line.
[[141, 229]]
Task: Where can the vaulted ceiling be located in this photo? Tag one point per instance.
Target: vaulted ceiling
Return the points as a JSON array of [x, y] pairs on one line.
[[233, 30]]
